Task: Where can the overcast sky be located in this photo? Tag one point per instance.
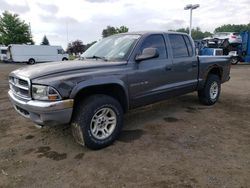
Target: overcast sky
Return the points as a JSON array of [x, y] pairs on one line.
[[85, 19]]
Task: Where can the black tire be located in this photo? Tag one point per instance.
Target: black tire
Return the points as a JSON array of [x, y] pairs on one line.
[[82, 124], [31, 61], [204, 94], [234, 60], [64, 59]]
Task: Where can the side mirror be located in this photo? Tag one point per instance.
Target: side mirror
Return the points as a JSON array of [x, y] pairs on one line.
[[147, 53]]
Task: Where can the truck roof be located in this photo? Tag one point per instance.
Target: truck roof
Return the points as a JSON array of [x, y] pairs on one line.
[[153, 32]]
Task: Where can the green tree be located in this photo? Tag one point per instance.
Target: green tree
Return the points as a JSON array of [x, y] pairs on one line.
[[182, 30], [76, 47], [89, 45], [69, 48], [110, 30], [13, 30], [45, 41], [233, 28], [122, 29], [196, 33]]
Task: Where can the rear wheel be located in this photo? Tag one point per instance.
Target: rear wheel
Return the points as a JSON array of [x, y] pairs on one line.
[[64, 59], [97, 121], [31, 61], [209, 95]]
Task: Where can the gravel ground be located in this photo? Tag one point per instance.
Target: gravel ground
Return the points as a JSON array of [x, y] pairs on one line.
[[174, 143]]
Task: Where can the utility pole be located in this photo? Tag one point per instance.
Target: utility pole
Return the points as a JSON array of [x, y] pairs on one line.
[[67, 31], [191, 8]]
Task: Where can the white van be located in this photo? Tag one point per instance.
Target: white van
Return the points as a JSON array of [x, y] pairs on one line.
[[3, 53], [35, 53]]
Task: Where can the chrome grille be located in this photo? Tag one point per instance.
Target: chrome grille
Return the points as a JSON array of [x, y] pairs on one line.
[[20, 87]]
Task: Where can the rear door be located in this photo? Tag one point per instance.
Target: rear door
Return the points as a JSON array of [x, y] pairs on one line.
[[185, 64]]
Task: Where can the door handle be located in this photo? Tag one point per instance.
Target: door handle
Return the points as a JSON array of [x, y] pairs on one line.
[[168, 68]]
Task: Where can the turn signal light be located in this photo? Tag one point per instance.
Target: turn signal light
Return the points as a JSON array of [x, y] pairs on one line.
[[52, 97]]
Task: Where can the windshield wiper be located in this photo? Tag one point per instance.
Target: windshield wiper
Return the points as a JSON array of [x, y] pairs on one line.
[[97, 57]]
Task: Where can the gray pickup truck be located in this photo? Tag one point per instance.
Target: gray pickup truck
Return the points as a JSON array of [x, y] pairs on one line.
[[115, 75]]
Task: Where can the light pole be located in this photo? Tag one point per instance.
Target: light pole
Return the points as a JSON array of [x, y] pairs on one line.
[[191, 7]]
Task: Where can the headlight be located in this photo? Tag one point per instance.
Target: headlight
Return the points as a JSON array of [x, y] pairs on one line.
[[45, 93]]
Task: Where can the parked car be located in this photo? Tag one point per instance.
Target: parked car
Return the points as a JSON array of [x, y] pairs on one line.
[[3, 53], [118, 73], [35, 53], [233, 37]]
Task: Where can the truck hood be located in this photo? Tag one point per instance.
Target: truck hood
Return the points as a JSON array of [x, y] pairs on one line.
[[44, 69]]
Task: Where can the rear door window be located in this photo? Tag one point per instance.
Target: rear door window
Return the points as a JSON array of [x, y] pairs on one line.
[[178, 45]]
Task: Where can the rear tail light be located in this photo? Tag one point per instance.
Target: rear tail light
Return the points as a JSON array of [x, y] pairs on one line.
[[233, 36]]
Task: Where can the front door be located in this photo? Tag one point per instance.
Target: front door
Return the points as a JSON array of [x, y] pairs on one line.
[[152, 77]]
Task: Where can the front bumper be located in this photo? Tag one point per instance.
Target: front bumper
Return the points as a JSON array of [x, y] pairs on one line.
[[43, 112]]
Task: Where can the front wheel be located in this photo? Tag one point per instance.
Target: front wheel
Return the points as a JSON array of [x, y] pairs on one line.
[[209, 95], [97, 121]]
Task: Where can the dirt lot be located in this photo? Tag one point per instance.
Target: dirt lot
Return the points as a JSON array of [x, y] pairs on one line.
[[175, 143]]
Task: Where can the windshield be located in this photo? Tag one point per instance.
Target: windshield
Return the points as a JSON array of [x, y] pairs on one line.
[[114, 48]]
